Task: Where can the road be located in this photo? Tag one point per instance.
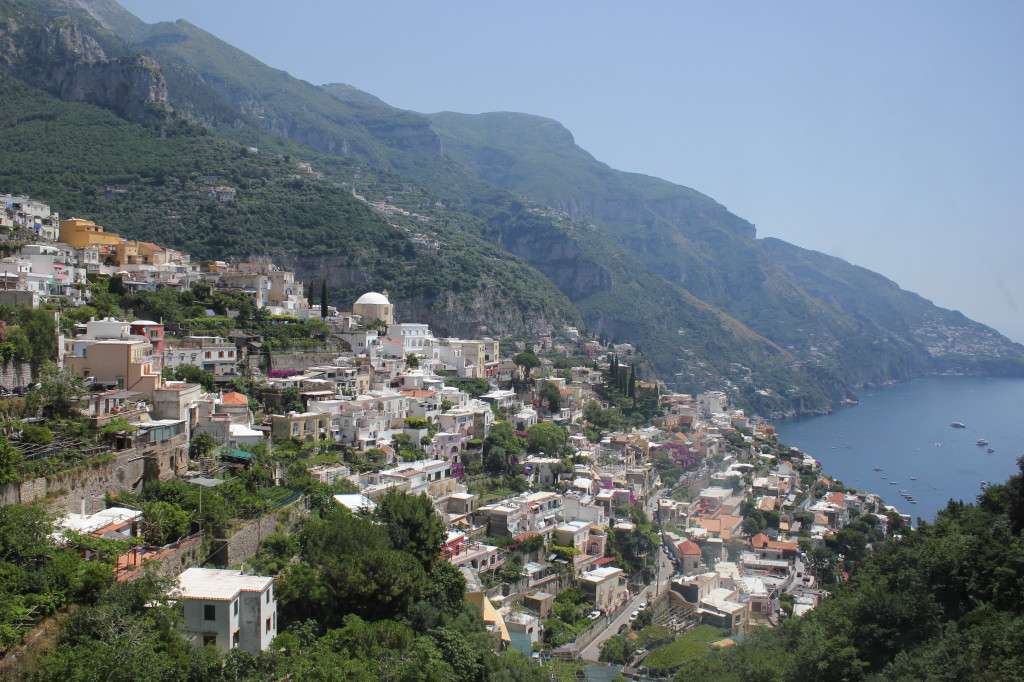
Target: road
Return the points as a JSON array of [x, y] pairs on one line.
[[652, 590]]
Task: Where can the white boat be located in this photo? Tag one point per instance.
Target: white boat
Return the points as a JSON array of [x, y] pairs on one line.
[[981, 441], [958, 425]]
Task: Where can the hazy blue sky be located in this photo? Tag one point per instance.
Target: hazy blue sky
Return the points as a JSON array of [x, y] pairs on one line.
[[888, 134]]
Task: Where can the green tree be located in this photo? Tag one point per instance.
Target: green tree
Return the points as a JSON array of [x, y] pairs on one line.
[[10, 458], [550, 396], [196, 375], [164, 522], [60, 392], [527, 361], [549, 438], [201, 445], [323, 297], [413, 524]]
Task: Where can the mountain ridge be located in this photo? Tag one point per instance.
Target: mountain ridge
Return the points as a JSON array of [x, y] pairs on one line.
[[636, 257]]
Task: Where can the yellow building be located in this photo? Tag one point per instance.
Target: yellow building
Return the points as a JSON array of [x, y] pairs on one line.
[[124, 363], [84, 233]]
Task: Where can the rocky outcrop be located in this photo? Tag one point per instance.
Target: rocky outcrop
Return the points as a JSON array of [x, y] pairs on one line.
[[62, 59]]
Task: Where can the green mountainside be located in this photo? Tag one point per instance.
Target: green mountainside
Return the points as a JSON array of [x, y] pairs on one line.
[[145, 184], [840, 319], [533, 231]]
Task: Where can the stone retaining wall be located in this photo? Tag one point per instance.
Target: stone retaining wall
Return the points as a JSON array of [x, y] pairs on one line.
[[65, 491], [15, 375], [245, 541]]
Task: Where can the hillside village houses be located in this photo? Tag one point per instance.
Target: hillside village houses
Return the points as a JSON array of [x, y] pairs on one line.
[[400, 382]]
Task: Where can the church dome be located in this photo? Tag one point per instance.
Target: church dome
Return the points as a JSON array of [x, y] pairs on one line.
[[373, 298]]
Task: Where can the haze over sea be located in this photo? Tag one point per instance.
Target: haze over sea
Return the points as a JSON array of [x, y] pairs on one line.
[[897, 428]]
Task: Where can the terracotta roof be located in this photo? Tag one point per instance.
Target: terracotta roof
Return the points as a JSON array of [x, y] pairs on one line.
[[417, 393], [234, 398], [759, 540], [689, 548]]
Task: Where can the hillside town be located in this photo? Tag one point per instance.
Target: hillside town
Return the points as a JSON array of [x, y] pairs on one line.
[[593, 514]]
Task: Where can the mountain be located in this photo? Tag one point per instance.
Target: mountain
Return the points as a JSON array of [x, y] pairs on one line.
[[835, 317], [533, 232]]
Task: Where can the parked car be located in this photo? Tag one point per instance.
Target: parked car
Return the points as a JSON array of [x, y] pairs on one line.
[[622, 628], [594, 615], [643, 605], [633, 616]]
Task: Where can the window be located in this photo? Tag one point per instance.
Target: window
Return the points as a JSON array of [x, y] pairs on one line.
[[268, 596], [209, 612], [210, 639], [268, 625], [235, 638], [234, 607]]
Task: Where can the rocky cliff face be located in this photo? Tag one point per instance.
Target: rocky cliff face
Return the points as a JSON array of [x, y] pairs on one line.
[[483, 311], [60, 58]]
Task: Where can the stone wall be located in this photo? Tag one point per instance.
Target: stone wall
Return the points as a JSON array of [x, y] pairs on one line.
[[245, 542], [167, 561], [302, 360], [15, 374], [65, 491]]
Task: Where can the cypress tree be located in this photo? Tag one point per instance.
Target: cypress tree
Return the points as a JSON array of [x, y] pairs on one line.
[[632, 383], [323, 298]]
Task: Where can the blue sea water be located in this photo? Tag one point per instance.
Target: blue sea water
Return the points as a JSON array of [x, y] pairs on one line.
[[906, 431]]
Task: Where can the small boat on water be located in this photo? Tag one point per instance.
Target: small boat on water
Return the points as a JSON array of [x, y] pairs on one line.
[[938, 445], [981, 441], [879, 469], [894, 482], [991, 450], [913, 478], [958, 425]]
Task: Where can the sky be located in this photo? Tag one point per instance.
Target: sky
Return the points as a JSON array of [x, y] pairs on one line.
[[887, 134]]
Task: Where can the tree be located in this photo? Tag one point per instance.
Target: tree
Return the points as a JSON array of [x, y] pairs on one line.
[[60, 391], [412, 524], [527, 361], [164, 522], [616, 649], [10, 458], [201, 445], [116, 286], [501, 446], [196, 375], [323, 297], [548, 438], [550, 395]]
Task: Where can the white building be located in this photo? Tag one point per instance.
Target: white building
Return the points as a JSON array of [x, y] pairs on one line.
[[228, 609]]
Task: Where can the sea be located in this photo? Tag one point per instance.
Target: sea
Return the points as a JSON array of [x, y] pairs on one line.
[[905, 431]]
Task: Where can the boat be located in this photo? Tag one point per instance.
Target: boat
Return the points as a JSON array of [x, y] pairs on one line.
[[894, 482], [913, 478], [981, 441], [938, 445], [991, 450], [958, 425], [879, 469]]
